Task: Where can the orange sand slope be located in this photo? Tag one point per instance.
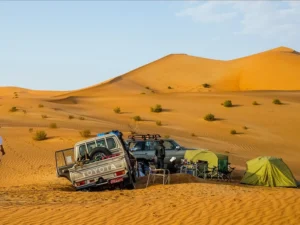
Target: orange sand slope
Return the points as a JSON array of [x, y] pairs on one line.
[[276, 69]]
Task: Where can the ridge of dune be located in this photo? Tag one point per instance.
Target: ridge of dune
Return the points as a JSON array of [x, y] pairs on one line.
[[268, 70]]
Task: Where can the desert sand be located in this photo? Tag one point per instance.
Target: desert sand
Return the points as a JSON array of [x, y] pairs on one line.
[[30, 192]]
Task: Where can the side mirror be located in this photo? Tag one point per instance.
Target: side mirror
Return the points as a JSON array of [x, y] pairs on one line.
[[178, 147]]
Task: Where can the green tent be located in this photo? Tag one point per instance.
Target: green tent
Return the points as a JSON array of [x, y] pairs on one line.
[[213, 159], [268, 171]]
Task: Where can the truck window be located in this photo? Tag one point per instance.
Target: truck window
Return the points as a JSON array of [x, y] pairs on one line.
[[149, 145], [169, 145], [101, 143], [139, 146], [91, 145], [82, 150], [111, 144]]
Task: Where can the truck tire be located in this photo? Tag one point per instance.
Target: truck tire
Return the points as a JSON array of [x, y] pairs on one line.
[[99, 152]]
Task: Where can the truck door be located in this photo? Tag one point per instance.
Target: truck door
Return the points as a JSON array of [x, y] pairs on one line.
[[64, 161]]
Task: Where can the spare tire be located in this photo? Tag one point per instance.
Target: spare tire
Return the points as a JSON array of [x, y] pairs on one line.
[[99, 152]]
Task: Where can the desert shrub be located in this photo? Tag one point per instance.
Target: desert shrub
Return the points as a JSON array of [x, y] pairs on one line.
[[255, 103], [209, 117], [147, 87], [30, 130], [53, 125], [158, 123], [233, 132], [169, 87], [156, 108], [81, 118], [44, 116], [193, 135], [24, 111], [227, 103], [13, 109], [143, 93], [71, 117], [41, 106], [117, 110], [85, 133], [277, 102], [137, 118], [40, 135], [245, 128], [167, 136], [206, 85]]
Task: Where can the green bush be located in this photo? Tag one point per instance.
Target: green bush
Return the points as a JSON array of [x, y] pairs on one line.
[[40, 135], [85, 133], [277, 102], [53, 125], [158, 123], [206, 85], [156, 109], [233, 132], [81, 118], [13, 109], [255, 103], [137, 118], [71, 117], [117, 110], [209, 117], [227, 103], [41, 106], [44, 116]]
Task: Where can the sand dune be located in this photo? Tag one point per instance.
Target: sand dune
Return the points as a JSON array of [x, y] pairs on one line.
[[276, 69]]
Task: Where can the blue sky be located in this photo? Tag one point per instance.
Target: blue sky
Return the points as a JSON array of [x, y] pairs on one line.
[[70, 45]]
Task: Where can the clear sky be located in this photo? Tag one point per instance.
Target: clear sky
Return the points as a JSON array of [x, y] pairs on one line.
[[74, 44]]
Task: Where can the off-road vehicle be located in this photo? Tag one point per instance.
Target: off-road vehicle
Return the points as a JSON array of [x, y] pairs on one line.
[[102, 161]]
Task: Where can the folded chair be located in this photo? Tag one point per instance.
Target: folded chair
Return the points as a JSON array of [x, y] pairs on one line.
[[212, 172], [154, 172], [226, 175]]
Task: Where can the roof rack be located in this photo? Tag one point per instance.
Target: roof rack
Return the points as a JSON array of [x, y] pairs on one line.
[[144, 136]]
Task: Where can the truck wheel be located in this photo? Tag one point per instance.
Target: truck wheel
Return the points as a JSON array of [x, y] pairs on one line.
[[99, 152]]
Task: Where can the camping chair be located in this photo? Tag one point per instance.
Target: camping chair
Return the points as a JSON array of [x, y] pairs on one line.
[[226, 175], [212, 172], [153, 173]]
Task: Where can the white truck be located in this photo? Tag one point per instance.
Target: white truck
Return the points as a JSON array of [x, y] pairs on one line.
[[103, 161]]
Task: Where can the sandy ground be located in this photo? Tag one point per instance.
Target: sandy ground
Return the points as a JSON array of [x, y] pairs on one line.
[[30, 192]]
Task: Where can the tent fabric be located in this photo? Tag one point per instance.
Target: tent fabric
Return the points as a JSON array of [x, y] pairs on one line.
[[213, 159], [268, 171]]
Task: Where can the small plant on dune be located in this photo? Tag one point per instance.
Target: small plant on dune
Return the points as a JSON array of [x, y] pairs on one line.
[[233, 132], [209, 117], [40, 135], [153, 91], [147, 88], [277, 102], [117, 110], [193, 134], [44, 116], [81, 118], [30, 130], [245, 128], [85, 133], [255, 103], [143, 93], [24, 111], [156, 109], [205, 85], [227, 103], [169, 87], [13, 109], [41, 106], [167, 136], [137, 118], [53, 125], [158, 123], [71, 117]]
